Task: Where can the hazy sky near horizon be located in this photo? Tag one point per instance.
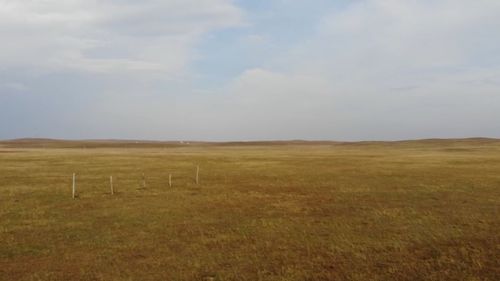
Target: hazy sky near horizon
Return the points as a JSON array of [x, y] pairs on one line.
[[246, 70]]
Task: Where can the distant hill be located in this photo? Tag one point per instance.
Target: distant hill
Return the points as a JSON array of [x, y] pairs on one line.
[[112, 143]]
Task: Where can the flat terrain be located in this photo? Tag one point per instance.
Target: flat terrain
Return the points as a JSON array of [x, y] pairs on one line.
[[417, 210]]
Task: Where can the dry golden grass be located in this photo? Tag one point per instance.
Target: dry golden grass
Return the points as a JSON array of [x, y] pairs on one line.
[[425, 210]]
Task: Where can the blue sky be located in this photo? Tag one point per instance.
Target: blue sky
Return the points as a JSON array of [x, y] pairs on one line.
[[245, 70], [270, 28]]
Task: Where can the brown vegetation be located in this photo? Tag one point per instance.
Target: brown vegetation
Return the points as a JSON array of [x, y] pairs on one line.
[[418, 210]]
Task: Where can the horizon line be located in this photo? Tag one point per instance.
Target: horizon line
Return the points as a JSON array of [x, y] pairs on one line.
[[41, 139]]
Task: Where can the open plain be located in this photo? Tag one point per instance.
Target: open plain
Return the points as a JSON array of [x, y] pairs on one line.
[[412, 210]]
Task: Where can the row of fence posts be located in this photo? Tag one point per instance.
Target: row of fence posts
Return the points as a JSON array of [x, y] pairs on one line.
[[197, 180]]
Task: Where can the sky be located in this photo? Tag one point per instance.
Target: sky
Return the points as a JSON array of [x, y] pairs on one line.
[[219, 70]]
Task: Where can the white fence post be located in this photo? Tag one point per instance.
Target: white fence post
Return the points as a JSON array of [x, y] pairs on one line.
[[74, 185], [197, 174], [111, 183]]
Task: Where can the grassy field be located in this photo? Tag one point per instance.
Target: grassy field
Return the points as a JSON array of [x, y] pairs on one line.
[[421, 210]]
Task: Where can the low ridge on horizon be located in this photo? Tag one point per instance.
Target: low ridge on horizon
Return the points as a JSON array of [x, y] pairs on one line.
[[27, 139]]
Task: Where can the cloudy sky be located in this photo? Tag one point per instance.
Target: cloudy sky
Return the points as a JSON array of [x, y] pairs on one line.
[[246, 70]]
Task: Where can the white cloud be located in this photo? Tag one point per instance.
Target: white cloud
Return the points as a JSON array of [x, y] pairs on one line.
[[13, 87], [375, 38], [374, 69], [382, 69], [254, 39], [154, 36]]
